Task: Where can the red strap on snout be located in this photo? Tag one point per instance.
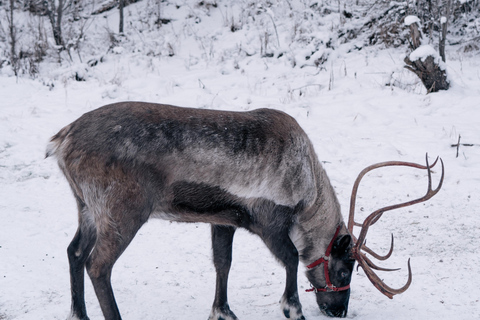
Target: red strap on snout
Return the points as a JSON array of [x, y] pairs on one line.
[[329, 286]]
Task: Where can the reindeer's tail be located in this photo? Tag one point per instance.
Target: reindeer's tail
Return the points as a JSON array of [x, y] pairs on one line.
[[56, 141]]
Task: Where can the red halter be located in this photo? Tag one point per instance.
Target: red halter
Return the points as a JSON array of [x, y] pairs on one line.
[[329, 287]]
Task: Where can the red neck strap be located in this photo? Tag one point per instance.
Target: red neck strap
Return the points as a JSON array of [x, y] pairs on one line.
[[329, 286]]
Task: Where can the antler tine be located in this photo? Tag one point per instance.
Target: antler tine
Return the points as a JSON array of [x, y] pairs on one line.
[[373, 265], [434, 192], [376, 255], [373, 253], [380, 285]]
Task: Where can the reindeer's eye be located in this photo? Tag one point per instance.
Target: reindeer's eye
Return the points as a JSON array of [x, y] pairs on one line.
[[344, 274]]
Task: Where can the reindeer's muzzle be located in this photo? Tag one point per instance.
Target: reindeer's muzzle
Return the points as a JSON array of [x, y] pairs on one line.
[[338, 312]]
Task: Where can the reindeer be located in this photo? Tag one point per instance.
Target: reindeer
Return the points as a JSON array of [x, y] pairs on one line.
[[131, 161]]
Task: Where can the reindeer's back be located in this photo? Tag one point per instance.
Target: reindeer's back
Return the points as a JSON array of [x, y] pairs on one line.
[[260, 153]]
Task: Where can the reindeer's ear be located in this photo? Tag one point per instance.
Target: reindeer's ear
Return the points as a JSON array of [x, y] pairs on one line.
[[341, 245]]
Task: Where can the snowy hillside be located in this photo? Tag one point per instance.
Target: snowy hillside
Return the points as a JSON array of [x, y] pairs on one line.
[[358, 105]]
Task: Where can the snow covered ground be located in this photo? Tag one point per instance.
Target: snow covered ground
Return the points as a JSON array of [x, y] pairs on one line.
[[353, 118]]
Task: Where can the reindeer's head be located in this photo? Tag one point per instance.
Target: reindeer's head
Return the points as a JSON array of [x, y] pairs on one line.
[[335, 271], [335, 267]]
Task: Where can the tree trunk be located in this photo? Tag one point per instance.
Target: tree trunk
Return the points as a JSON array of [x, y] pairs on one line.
[[57, 33], [55, 16], [13, 39], [120, 7], [443, 34], [416, 35]]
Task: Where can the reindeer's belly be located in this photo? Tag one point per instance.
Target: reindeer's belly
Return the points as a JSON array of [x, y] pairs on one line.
[[201, 202]]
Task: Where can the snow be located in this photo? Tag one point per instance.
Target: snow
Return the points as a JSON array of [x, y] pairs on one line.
[[363, 107], [423, 52], [411, 19]]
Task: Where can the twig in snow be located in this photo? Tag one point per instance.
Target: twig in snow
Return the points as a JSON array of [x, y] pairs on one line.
[[458, 144]]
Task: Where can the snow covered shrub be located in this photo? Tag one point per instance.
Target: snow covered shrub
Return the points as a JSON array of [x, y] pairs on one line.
[[386, 25], [24, 41]]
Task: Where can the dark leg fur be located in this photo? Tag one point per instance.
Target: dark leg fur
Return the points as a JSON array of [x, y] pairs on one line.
[[222, 239], [110, 244], [285, 251], [78, 252], [278, 241], [100, 272]]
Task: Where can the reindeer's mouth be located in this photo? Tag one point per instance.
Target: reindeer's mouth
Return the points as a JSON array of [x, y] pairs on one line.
[[334, 312]]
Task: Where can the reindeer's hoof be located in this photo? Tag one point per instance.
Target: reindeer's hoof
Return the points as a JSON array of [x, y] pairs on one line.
[[286, 312], [75, 317], [223, 313], [291, 307]]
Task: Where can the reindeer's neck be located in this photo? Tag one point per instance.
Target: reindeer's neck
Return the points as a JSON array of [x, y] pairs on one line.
[[315, 227]]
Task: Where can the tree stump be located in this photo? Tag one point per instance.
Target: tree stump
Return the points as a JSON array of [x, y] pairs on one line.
[[424, 61], [433, 77]]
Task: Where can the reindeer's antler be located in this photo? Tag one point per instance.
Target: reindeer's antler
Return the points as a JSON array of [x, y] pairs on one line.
[[366, 264]]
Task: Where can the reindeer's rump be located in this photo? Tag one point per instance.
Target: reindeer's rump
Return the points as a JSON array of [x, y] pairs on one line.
[[162, 150]]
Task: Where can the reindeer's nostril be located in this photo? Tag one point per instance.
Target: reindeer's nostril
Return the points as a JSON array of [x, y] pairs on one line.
[[338, 313]]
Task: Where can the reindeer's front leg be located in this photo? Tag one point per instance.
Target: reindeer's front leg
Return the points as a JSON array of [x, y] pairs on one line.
[[222, 239], [285, 251], [278, 241]]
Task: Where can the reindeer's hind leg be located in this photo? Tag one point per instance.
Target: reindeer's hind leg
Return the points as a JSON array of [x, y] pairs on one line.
[[78, 252], [222, 239], [116, 228]]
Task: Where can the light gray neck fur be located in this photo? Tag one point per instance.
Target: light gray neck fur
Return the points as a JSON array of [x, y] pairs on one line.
[[313, 230]]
